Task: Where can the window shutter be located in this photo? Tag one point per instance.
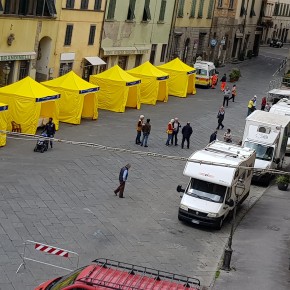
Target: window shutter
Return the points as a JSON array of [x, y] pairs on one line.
[[7, 6], [147, 9], [180, 8], [193, 8], [132, 5], [200, 10], [210, 9], [51, 7], [243, 10], [162, 10], [111, 10], [98, 5], [70, 4], [1, 7], [252, 13]]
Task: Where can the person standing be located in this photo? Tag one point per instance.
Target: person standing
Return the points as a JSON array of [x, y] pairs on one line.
[[227, 94], [250, 107], [220, 116], [169, 132], [214, 80], [223, 82], [123, 176], [146, 131], [213, 136], [228, 136], [186, 133], [255, 103], [263, 103], [50, 130], [176, 125], [140, 124], [234, 93]]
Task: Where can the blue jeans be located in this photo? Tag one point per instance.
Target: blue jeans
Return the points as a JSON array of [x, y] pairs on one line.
[[169, 138], [144, 139], [138, 141]]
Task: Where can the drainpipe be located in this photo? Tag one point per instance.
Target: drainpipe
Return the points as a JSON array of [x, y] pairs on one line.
[[102, 27], [171, 34], [210, 32], [244, 28]]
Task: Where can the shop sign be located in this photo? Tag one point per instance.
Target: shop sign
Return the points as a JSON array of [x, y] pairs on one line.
[[125, 52], [15, 57]]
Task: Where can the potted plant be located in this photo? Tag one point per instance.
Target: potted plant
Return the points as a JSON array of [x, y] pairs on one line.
[[235, 75], [282, 181]]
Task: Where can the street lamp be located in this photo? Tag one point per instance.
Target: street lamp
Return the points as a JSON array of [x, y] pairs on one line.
[[239, 190], [6, 70]]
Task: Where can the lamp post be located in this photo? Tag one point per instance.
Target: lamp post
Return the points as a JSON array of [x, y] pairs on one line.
[[6, 71], [239, 190]]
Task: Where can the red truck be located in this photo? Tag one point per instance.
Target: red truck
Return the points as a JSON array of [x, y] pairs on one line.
[[109, 274]]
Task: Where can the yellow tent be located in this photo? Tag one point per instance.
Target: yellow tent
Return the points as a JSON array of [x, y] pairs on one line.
[[181, 78], [3, 123], [154, 83], [29, 101], [78, 98], [118, 89]]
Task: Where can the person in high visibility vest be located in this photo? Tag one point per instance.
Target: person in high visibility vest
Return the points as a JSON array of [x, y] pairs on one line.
[[223, 82], [214, 81], [251, 107]]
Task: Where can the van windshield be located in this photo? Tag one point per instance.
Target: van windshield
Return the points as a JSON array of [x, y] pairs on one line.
[[206, 190], [262, 152], [202, 72]]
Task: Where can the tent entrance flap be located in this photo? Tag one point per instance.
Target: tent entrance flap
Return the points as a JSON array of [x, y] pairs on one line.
[[90, 106], [191, 84], [50, 110], [162, 91], [132, 97]]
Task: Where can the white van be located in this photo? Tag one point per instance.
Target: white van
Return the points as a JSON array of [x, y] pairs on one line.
[[204, 72], [211, 192]]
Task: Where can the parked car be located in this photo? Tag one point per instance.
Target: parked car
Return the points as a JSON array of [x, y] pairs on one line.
[[110, 274], [276, 43]]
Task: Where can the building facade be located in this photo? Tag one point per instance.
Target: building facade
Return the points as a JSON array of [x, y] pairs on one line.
[[223, 31], [248, 32], [136, 31], [80, 24], [45, 39], [23, 25], [191, 29]]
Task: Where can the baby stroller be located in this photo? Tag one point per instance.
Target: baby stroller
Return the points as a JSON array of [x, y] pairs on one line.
[[42, 144]]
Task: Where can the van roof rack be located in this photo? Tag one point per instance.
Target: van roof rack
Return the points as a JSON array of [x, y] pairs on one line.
[[113, 274], [221, 151]]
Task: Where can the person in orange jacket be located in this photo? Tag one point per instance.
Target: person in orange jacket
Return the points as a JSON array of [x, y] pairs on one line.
[[169, 132], [214, 81], [223, 82]]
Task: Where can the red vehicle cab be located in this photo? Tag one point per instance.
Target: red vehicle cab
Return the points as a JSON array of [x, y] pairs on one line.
[[110, 274]]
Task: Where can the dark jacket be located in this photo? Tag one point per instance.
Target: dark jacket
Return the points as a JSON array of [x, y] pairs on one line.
[[212, 137], [221, 116], [223, 79], [176, 127], [50, 129], [186, 131], [123, 169], [146, 128]]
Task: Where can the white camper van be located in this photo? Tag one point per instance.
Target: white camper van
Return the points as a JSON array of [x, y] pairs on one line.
[[267, 134], [283, 108], [212, 189]]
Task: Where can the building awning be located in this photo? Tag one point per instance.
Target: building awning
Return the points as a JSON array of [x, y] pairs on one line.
[[4, 56], [95, 60], [125, 50]]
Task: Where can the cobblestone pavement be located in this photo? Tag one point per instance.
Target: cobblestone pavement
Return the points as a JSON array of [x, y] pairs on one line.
[[65, 197]]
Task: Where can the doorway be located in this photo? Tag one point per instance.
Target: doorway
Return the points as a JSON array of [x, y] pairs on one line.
[[43, 56]]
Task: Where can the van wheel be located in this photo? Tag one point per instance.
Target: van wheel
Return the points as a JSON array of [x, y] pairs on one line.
[[220, 224]]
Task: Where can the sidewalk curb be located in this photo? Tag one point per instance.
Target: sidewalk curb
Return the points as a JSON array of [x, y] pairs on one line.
[[240, 218]]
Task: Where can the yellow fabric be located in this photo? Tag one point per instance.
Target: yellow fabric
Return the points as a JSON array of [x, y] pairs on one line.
[[24, 108], [3, 123], [116, 93], [163, 91], [149, 88], [74, 102], [180, 82]]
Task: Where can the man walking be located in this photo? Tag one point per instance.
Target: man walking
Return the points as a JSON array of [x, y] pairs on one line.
[[139, 129], [122, 179], [50, 130], [176, 125], [146, 131], [186, 133], [234, 93], [227, 94], [250, 107], [220, 116]]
